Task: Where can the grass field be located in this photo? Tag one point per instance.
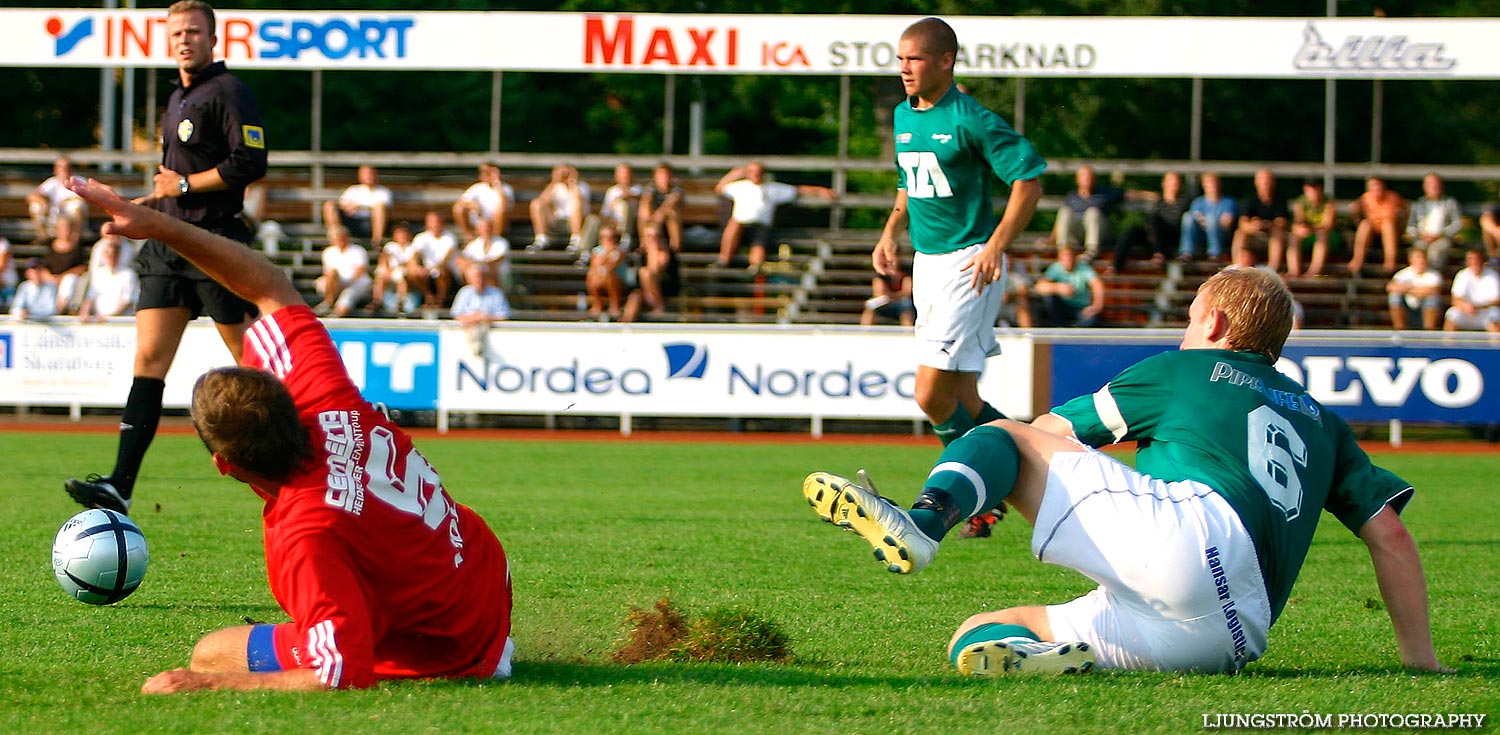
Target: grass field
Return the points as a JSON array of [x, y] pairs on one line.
[[594, 528]]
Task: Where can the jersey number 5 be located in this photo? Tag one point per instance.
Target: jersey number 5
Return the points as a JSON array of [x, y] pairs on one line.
[[924, 176], [1275, 452], [418, 492]]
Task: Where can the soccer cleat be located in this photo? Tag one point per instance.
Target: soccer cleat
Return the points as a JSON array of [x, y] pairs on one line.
[[1006, 658], [898, 543], [96, 491], [977, 527]]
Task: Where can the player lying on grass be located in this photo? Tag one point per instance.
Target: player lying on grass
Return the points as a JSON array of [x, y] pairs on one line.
[[381, 573], [1196, 550]]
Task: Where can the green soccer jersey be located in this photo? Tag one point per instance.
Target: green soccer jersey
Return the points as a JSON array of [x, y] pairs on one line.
[[944, 156], [1232, 422]]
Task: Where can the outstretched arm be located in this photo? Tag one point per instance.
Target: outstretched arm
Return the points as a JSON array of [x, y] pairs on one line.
[[245, 272], [1398, 571]]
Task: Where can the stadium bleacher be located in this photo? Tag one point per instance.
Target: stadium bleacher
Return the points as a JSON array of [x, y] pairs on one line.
[[816, 275]]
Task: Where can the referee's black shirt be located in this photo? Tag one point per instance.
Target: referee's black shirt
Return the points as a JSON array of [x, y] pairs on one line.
[[214, 123]]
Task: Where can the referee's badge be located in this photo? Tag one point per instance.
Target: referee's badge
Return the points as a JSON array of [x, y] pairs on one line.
[[185, 130]]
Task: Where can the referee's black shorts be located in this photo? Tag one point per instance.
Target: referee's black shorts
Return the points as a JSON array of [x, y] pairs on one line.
[[169, 280]]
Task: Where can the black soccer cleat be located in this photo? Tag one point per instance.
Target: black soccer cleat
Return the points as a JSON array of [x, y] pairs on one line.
[[96, 491]]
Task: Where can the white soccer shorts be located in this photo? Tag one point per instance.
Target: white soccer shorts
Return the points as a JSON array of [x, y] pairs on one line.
[[955, 325], [1180, 587]]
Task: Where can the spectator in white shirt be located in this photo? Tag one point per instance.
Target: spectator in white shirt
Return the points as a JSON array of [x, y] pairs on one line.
[[52, 201], [1434, 220], [437, 247], [1476, 296], [362, 208], [113, 287], [1415, 291], [755, 199], [345, 283], [558, 212], [488, 250], [489, 198], [399, 265], [622, 204]]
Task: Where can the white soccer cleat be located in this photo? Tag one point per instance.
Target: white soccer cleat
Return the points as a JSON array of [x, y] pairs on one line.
[[1006, 658], [898, 543]]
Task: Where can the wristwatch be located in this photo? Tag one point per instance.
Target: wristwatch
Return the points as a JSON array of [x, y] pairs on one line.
[[182, 185]]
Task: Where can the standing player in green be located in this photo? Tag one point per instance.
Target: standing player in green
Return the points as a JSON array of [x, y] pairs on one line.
[[947, 145], [1196, 549]]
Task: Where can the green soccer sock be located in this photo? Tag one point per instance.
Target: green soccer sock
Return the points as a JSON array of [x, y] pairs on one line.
[[986, 632], [987, 413], [955, 426], [974, 475]]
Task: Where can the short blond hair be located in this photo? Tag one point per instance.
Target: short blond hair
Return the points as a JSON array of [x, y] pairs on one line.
[[1257, 305], [188, 6]]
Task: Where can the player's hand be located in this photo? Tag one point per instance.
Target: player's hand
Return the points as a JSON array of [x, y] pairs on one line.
[[985, 268], [127, 219], [883, 257], [176, 681]]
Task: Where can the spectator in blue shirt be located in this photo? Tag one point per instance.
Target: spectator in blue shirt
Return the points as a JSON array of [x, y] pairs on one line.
[[477, 305], [1210, 219]]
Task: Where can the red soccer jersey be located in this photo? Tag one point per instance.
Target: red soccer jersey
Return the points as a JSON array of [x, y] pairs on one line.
[[382, 573]]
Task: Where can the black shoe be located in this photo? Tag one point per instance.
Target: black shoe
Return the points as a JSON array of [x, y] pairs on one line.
[[98, 492], [976, 527]]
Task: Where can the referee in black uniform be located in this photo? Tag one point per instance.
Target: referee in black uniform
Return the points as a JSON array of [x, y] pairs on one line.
[[213, 146]]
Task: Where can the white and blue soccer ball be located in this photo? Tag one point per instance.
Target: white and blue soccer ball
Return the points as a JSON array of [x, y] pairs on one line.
[[99, 556]]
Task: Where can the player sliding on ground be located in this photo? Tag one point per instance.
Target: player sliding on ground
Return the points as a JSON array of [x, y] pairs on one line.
[[1195, 552], [381, 573]]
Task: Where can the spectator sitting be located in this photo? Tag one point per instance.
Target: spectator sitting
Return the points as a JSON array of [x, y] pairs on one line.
[[659, 279], [52, 202], [1476, 296], [1015, 309], [605, 280], [559, 210], [362, 208], [661, 206], [36, 297], [345, 283], [1210, 219], [755, 199], [622, 202], [8, 278], [490, 251], [1264, 218], [1489, 232], [477, 305], [1313, 220], [1415, 291], [890, 298], [1085, 213], [436, 246], [1379, 212], [113, 286], [489, 198], [1163, 230], [1434, 221], [66, 265], [400, 265], [1073, 293]]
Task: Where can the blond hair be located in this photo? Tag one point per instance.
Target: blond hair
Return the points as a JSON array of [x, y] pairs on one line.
[[1257, 306], [188, 6]]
